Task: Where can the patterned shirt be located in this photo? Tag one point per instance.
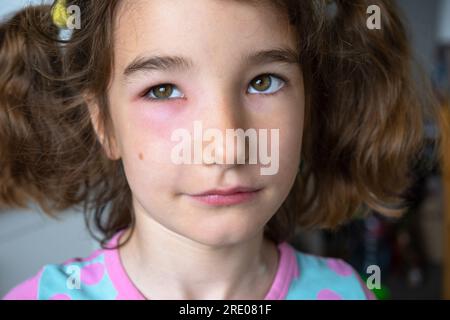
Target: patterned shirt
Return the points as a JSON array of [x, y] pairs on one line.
[[101, 276]]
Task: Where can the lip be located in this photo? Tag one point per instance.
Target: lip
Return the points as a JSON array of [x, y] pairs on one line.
[[226, 197]]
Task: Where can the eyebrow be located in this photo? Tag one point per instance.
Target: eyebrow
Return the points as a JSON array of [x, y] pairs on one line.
[[179, 63]]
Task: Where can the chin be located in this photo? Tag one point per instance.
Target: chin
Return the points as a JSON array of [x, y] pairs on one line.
[[225, 232]]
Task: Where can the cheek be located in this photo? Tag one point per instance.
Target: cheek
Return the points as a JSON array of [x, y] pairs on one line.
[[290, 147], [149, 128], [146, 145], [148, 167], [158, 120], [291, 135], [289, 161]]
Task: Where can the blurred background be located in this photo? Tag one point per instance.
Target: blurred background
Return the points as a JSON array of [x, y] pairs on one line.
[[412, 252]]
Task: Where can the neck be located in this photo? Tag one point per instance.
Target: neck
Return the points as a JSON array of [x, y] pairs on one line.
[[165, 265]]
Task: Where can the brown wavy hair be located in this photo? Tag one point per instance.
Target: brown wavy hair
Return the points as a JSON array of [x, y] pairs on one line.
[[364, 117]]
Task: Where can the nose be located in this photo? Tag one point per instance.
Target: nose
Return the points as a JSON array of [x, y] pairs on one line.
[[224, 116]]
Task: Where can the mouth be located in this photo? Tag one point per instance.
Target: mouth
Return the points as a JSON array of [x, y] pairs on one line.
[[227, 197]]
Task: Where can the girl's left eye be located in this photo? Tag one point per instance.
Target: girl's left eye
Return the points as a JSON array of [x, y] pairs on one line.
[[266, 84]]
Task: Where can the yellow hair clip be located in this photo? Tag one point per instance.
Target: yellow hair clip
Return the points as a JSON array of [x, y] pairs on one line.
[[59, 14]]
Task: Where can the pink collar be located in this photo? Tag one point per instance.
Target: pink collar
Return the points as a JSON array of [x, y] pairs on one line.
[[287, 270]]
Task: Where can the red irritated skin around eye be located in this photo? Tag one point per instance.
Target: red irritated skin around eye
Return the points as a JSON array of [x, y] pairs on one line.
[[160, 119], [227, 197]]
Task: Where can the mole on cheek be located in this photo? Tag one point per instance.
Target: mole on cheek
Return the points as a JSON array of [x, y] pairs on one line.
[[141, 156]]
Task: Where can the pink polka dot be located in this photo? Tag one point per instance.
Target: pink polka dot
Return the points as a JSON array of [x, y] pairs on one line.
[[60, 296], [340, 267], [327, 294], [92, 273]]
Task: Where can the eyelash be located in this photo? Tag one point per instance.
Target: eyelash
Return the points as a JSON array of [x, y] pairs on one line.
[[146, 93]]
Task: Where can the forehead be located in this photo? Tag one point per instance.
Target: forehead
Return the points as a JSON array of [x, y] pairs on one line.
[[206, 30]]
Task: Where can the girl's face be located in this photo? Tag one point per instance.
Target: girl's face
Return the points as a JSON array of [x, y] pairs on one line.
[[220, 74]]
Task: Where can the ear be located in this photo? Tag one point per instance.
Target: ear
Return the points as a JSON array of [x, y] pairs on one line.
[[109, 145]]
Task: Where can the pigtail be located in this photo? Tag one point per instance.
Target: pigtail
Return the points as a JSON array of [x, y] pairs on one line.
[[49, 151], [367, 114], [22, 88]]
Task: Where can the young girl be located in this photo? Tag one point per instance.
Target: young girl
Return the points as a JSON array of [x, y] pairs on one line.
[[91, 119]]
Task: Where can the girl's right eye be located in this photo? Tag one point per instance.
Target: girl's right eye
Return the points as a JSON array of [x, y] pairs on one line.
[[163, 92]]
